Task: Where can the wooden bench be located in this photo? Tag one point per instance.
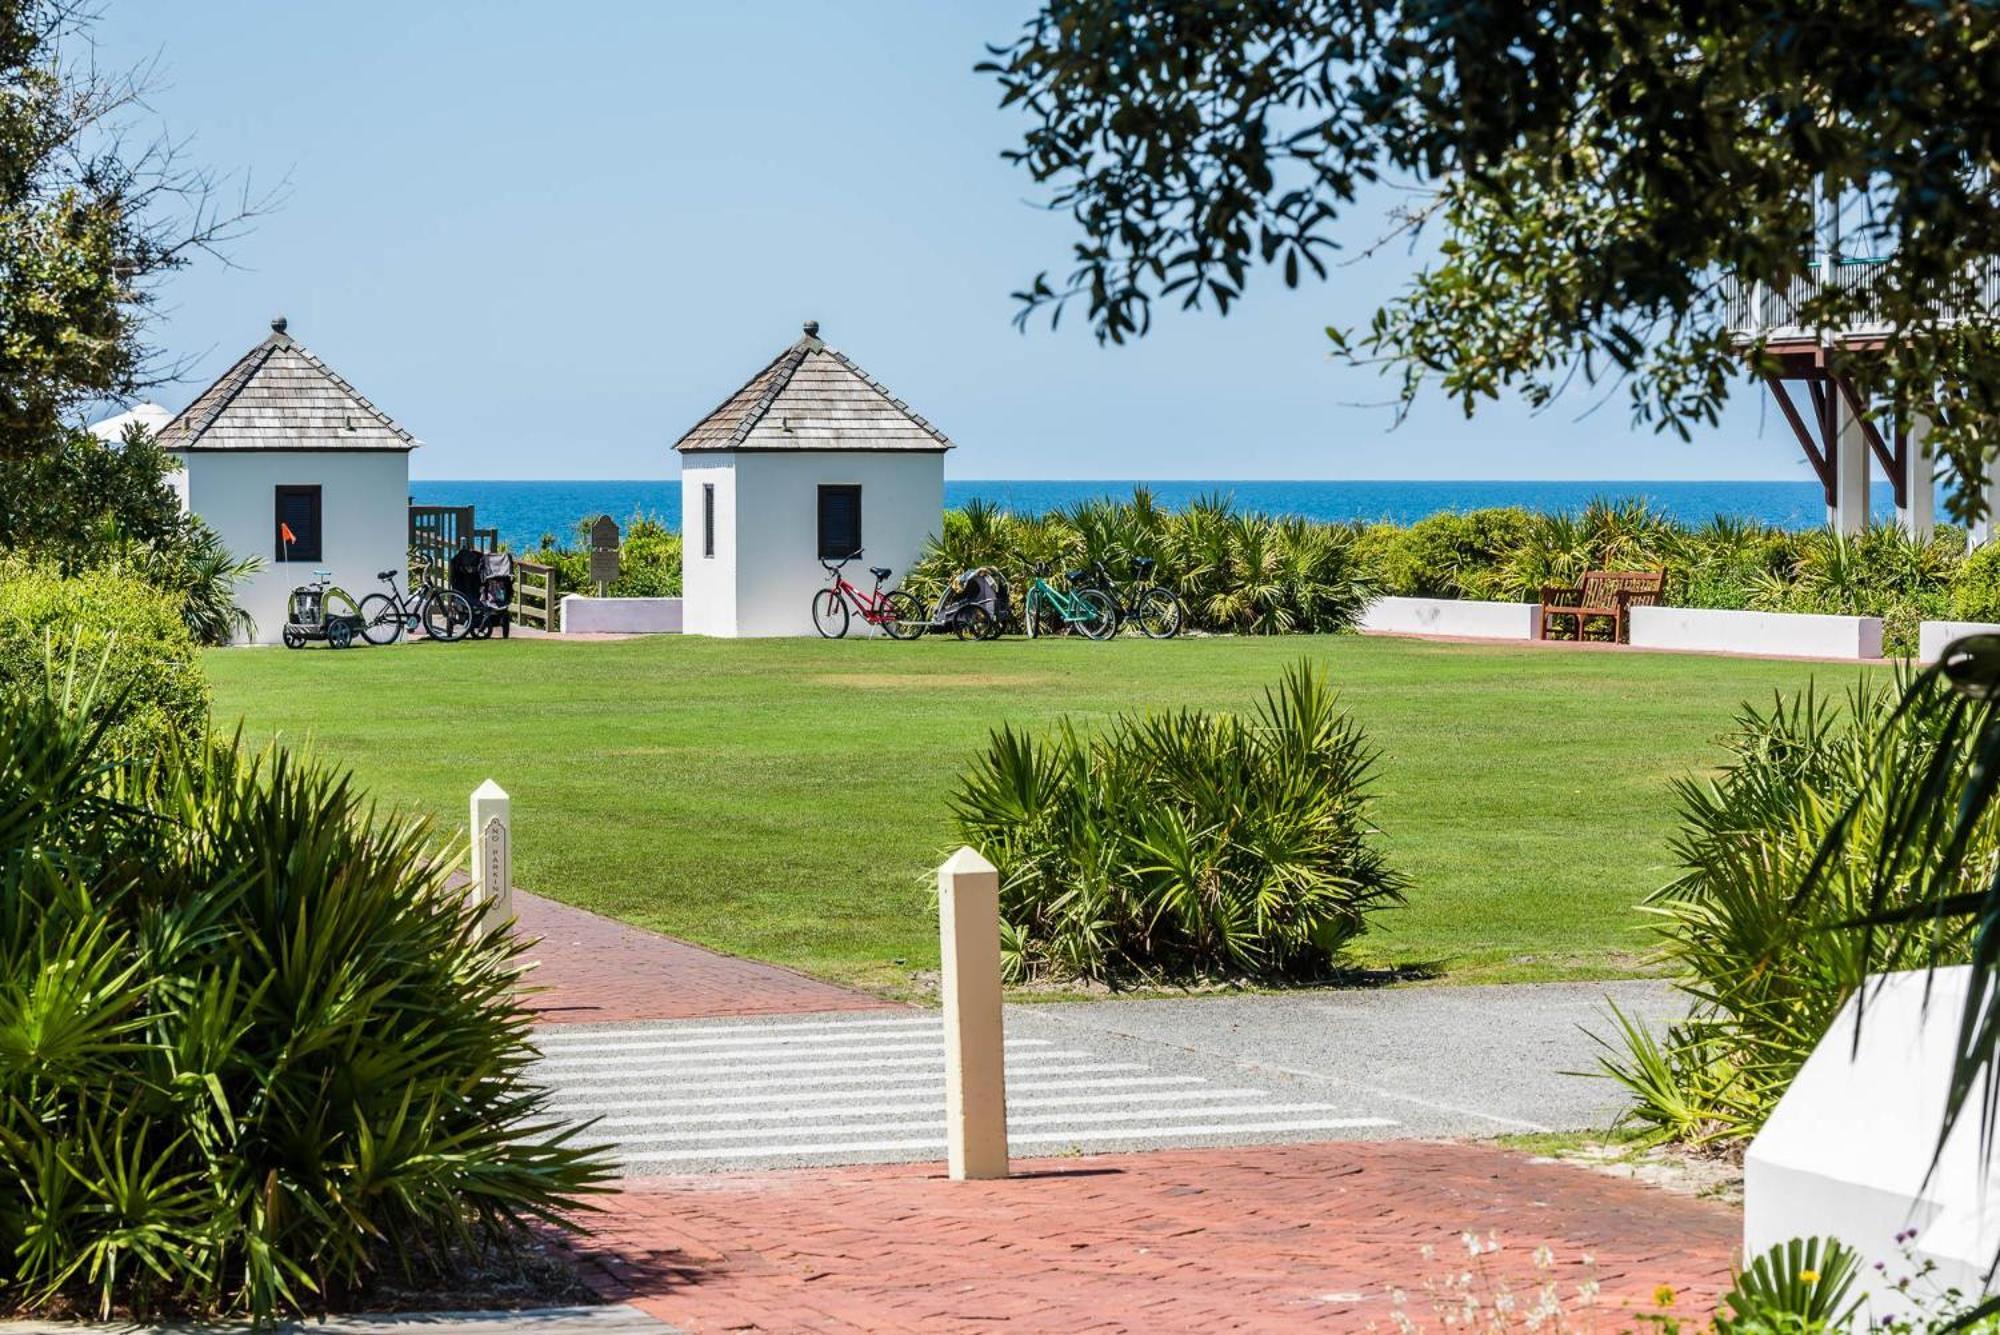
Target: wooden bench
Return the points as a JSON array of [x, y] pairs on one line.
[[1607, 594]]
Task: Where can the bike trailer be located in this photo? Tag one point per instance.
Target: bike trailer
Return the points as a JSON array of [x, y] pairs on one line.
[[306, 618], [984, 588]]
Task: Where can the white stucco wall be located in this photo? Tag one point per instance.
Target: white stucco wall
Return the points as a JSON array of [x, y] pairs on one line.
[[585, 615], [708, 584], [1793, 634], [364, 518], [766, 564], [1933, 636], [1849, 1151], [1450, 616]]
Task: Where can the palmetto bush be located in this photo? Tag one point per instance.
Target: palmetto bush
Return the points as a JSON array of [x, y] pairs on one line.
[[1766, 953], [249, 1045], [1185, 845]]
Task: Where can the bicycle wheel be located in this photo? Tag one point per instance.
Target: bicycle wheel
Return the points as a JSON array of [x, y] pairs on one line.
[[1158, 614], [381, 619], [339, 634], [906, 619], [447, 616], [973, 623], [1038, 617], [830, 614], [1102, 622]]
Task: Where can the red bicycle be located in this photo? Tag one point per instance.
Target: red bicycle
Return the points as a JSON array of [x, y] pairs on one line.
[[899, 614]]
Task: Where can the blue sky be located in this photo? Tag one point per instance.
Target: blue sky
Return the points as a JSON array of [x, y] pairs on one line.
[[547, 239]]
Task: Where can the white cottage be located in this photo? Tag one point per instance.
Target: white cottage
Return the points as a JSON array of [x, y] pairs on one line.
[[812, 458], [282, 445]]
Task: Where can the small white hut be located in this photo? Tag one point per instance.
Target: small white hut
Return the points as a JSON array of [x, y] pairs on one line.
[[281, 445], [811, 459]]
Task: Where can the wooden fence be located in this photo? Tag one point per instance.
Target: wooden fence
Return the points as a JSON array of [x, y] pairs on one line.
[[535, 597]]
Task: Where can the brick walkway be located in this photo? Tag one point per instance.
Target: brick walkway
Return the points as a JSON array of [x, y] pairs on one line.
[[1259, 1238], [591, 969]]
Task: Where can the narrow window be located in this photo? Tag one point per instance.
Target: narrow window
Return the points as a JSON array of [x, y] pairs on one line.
[[298, 524], [708, 519], [839, 522]]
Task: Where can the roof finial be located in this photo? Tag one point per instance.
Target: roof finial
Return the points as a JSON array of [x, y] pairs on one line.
[[278, 325], [812, 328]]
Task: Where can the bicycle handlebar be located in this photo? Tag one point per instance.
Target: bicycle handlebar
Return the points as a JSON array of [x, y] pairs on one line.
[[834, 566]]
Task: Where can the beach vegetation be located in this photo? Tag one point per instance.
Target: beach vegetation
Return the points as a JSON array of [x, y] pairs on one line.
[[649, 559], [254, 1052], [1759, 933], [1185, 845], [126, 637]]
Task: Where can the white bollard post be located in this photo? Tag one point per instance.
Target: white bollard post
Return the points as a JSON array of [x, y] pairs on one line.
[[493, 853], [975, 1072]]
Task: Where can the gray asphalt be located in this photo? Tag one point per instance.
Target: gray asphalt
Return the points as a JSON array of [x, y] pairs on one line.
[[1098, 1077]]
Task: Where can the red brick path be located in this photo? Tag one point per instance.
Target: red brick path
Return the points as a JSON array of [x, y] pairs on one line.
[[590, 969], [1262, 1238]]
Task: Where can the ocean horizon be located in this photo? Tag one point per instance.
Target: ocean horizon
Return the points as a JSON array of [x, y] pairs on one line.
[[523, 511]]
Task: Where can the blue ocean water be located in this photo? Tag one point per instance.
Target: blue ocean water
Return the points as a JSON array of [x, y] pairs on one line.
[[524, 511]]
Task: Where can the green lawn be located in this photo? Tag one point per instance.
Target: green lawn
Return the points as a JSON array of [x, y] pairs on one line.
[[784, 799]]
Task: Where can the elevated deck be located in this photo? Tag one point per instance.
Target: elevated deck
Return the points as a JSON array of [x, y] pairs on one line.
[[1772, 314]]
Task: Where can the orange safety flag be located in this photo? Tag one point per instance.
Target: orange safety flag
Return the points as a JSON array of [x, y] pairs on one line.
[[285, 532]]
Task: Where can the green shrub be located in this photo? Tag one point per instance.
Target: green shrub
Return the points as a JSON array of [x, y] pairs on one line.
[[1453, 554], [152, 687], [649, 560], [1183, 846], [251, 1048], [1975, 587], [1766, 961]]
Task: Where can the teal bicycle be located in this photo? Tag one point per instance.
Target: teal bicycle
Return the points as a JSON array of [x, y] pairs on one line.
[[1048, 610]]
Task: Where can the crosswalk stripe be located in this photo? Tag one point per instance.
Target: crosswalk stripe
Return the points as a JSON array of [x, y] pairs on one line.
[[871, 1073], [669, 1131], [1064, 1138], [558, 1035], [623, 1071], [699, 1062], [792, 1093], [929, 1033], [918, 1103], [698, 1059]]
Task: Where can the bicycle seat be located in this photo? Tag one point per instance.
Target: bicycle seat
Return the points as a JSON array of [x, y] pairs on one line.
[[880, 572], [385, 574], [1072, 575], [1142, 566]]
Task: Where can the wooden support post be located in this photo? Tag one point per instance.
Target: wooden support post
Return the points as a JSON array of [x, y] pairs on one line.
[[493, 854], [975, 1072]]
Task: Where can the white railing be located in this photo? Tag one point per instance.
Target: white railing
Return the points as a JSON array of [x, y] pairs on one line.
[[1773, 311]]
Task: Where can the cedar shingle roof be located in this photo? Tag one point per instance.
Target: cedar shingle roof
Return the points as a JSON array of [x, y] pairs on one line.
[[813, 398], [279, 396]]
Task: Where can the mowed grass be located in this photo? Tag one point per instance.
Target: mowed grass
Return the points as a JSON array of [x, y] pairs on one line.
[[785, 799]]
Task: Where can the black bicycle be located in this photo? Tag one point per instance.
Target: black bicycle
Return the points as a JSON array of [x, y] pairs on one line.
[[1154, 608], [387, 617]]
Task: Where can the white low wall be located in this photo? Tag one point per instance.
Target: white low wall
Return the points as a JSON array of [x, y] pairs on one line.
[[1451, 616], [1933, 636], [1794, 634], [585, 615], [1848, 1151]]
